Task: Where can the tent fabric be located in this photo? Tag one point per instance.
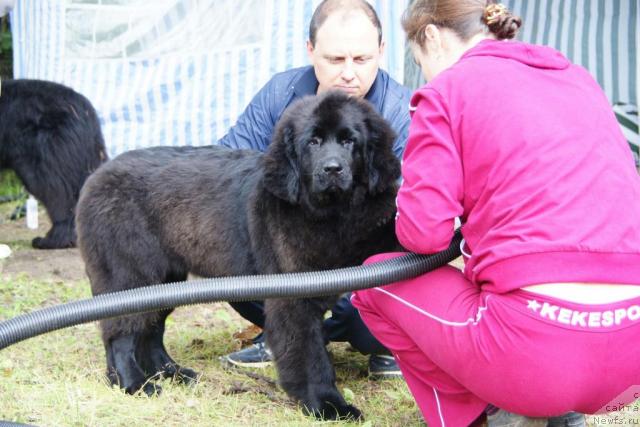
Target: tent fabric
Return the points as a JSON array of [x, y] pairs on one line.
[[171, 72], [179, 72], [627, 116], [600, 35]]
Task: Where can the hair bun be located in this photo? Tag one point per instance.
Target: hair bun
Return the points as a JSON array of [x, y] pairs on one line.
[[501, 22]]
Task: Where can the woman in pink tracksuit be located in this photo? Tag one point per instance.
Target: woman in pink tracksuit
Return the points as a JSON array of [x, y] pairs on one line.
[[524, 148]]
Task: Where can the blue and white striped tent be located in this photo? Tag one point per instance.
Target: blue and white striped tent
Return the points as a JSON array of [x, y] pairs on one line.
[[600, 35], [171, 72], [179, 72]]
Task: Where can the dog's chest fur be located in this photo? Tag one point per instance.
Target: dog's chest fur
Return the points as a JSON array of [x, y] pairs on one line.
[[300, 242]]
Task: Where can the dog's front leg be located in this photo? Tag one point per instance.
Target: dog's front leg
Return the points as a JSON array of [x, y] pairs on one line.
[[294, 334]]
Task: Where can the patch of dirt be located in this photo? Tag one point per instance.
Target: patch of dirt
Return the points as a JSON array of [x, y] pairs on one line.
[[61, 264], [57, 264]]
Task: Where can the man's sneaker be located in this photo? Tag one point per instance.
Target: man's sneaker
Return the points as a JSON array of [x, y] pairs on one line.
[[255, 356], [383, 366], [502, 418]]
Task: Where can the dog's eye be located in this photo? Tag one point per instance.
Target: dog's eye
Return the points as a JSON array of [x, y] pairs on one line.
[[315, 140], [347, 141]]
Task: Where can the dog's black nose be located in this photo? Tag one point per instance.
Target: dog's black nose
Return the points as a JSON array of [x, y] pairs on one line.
[[332, 166]]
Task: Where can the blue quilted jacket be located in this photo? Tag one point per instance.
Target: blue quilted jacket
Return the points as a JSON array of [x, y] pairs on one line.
[[255, 125]]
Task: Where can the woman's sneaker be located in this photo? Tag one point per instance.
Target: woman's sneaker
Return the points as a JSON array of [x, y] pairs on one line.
[[502, 418], [383, 366], [256, 355], [572, 419]]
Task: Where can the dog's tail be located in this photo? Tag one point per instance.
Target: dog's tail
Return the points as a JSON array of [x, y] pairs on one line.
[[97, 139]]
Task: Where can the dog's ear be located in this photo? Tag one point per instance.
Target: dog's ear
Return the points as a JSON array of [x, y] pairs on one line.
[[383, 167], [281, 165]]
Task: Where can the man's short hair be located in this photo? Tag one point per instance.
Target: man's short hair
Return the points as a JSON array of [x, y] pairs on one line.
[[327, 7]]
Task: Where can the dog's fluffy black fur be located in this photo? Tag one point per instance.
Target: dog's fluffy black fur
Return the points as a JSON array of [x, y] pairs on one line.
[[50, 136], [323, 196]]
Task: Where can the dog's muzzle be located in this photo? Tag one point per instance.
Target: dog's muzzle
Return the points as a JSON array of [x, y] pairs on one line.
[[332, 175]]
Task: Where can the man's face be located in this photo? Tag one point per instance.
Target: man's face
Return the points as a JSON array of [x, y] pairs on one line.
[[347, 54]]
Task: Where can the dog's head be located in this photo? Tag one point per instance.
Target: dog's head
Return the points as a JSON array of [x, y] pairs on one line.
[[326, 147]]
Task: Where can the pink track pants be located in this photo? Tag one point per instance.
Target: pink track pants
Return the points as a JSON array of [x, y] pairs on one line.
[[460, 348]]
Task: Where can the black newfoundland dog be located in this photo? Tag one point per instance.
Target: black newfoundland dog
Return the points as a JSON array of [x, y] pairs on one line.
[[322, 197], [50, 136]]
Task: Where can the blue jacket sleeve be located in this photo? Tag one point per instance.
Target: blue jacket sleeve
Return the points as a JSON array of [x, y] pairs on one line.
[[396, 112], [255, 125], [400, 123]]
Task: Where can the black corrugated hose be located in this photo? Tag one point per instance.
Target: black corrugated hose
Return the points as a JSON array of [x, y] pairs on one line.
[[238, 288]]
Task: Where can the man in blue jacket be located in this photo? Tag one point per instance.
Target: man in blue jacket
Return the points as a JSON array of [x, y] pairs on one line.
[[344, 47]]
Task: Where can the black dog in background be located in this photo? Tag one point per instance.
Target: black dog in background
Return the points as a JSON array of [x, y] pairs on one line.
[[322, 197], [50, 136]]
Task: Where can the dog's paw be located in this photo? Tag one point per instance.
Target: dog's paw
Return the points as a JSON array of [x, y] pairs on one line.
[[334, 409], [46, 243], [185, 376], [177, 373], [140, 386], [149, 388], [39, 243], [350, 412]]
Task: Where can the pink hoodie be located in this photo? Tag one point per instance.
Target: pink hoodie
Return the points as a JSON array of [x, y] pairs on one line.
[[524, 147]]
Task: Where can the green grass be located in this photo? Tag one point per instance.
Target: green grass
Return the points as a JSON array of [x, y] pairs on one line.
[[57, 379], [10, 184], [12, 195]]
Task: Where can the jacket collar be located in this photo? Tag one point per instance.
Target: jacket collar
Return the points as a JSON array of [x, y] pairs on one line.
[[307, 84]]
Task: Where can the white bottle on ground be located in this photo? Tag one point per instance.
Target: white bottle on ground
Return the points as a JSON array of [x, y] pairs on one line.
[[32, 212]]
